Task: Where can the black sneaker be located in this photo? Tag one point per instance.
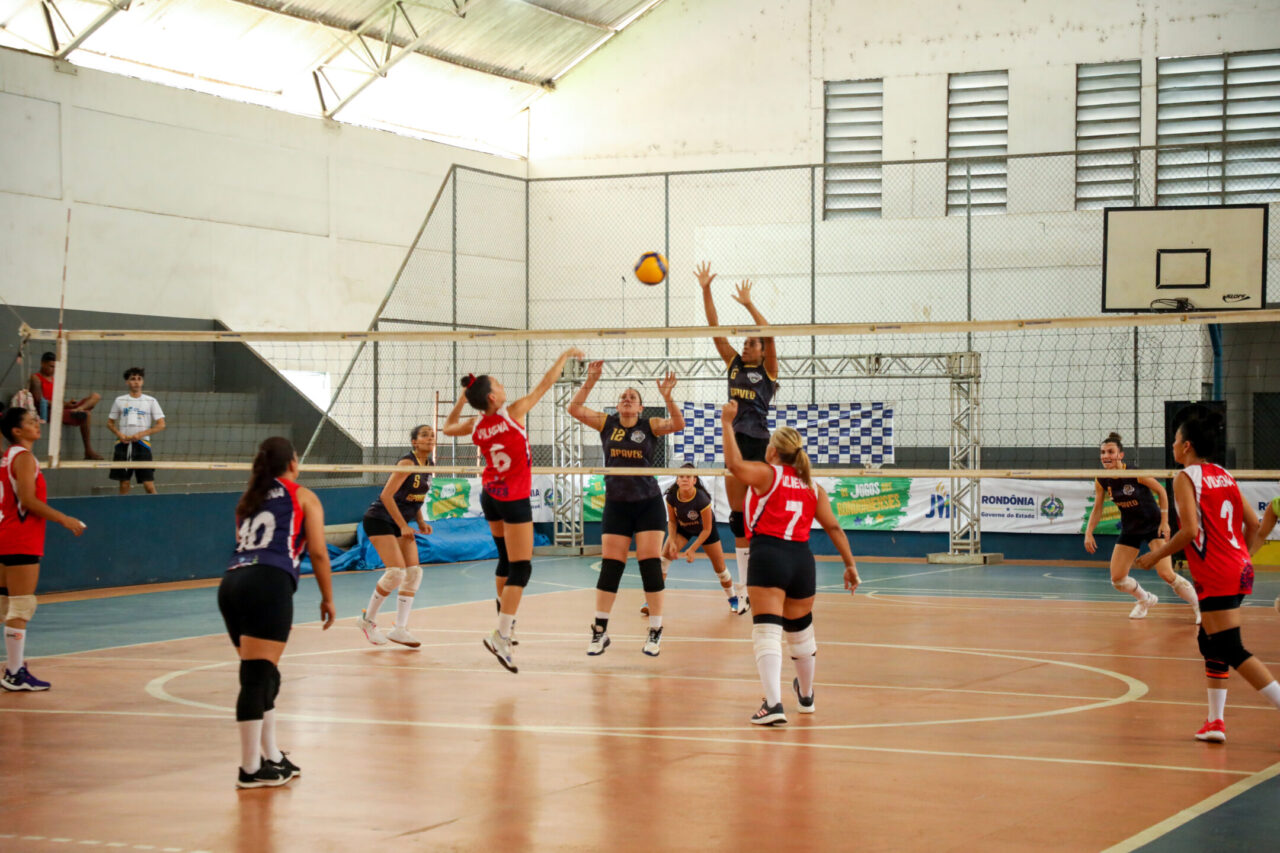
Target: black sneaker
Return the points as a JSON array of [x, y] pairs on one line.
[[269, 775], [769, 715], [806, 704], [286, 766]]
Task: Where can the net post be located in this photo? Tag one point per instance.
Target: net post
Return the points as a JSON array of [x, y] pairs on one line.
[[55, 405], [566, 451]]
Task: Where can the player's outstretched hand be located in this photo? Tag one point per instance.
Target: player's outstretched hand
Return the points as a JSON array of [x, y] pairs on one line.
[[595, 370], [667, 384], [704, 274], [742, 295]]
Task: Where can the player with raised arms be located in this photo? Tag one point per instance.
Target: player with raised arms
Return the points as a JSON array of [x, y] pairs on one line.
[[691, 522], [23, 517], [781, 503], [499, 434], [1264, 530], [632, 505], [1215, 526], [753, 380], [1143, 520], [386, 523], [275, 519]]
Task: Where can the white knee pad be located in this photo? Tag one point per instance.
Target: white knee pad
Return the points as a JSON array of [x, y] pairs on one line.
[[21, 607], [766, 639], [1125, 584], [802, 643], [391, 578], [412, 579]]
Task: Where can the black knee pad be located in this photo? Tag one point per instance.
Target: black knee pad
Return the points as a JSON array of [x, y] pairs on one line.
[[767, 619], [504, 567], [1202, 641], [794, 625], [519, 572], [1216, 669], [1226, 647], [736, 524], [611, 575], [255, 687], [275, 688], [651, 574]]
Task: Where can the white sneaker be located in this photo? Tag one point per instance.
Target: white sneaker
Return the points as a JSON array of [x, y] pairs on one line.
[[1140, 609], [599, 641], [403, 637], [501, 648], [744, 604], [653, 645], [371, 632]]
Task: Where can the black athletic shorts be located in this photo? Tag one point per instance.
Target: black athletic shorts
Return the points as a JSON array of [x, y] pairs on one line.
[[1139, 538], [1221, 602], [139, 453], [518, 511], [692, 533], [752, 448], [19, 559], [627, 518], [257, 601], [784, 565], [375, 526]]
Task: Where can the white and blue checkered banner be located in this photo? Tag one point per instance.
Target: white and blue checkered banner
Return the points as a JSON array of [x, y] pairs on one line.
[[834, 433]]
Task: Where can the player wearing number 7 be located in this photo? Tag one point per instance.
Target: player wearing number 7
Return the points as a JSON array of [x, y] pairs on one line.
[[1215, 526], [780, 504], [500, 435]]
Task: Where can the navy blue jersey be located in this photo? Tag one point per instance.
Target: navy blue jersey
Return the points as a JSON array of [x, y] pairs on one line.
[[1139, 511], [689, 513], [629, 447], [751, 386], [409, 497], [273, 536]]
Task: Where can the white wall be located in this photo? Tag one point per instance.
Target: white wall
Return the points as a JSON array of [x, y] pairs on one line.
[[188, 205]]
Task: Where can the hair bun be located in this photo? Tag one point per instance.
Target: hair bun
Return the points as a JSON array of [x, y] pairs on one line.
[[468, 379]]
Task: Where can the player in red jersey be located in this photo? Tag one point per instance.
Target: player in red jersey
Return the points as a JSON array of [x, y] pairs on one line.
[[500, 435], [779, 507], [23, 513], [1215, 527]]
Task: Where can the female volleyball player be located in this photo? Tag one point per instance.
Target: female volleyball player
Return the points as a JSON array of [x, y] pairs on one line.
[[386, 523], [781, 504], [1264, 530], [1215, 526], [23, 513], [500, 436], [691, 522], [753, 380], [275, 519], [632, 505], [1141, 521]]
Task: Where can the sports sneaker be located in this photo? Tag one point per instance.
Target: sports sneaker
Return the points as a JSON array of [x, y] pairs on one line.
[[769, 715], [269, 775], [22, 680], [371, 632], [403, 637], [806, 705], [653, 645], [501, 648], [512, 635], [644, 609], [744, 604], [733, 604], [599, 641], [286, 766], [1214, 731], [1140, 609]]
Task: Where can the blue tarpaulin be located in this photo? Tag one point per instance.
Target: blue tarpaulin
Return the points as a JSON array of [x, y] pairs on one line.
[[452, 540]]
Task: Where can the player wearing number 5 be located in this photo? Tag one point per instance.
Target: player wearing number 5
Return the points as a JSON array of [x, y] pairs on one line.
[[1215, 527], [500, 436], [780, 505]]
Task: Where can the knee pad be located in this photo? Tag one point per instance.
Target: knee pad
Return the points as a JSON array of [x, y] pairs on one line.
[[21, 607], [273, 689], [735, 524], [412, 579], [255, 687], [766, 639], [391, 578], [1226, 647], [610, 575], [651, 574], [793, 625], [519, 572], [1125, 584], [802, 643], [503, 565], [1216, 669], [767, 619]]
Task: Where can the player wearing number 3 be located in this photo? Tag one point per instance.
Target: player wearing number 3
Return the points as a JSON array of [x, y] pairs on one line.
[[500, 436], [1215, 527]]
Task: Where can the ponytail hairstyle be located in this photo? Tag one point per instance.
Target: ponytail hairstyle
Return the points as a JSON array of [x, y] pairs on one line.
[[697, 485], [790, 447], [1114, 438], [478, 389], [273, 459], [1202, 427]]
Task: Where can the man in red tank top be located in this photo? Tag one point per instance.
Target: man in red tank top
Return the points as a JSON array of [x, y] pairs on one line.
[[74, 412]]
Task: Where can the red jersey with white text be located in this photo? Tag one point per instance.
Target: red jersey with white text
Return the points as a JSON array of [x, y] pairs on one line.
[[272, 536], [1218, 556], [785, 511], [21, 531], [505, 447]]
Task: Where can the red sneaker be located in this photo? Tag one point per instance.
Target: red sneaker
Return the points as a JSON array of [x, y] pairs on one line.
[[1214, 731]]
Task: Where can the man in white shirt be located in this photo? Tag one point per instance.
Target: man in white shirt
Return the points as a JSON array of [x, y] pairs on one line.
[[134, 418]]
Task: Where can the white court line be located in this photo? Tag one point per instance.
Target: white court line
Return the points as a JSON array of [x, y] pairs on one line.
[[1052, 576], [1190, 813]]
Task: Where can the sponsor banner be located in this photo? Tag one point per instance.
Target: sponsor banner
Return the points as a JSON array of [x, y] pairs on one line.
[[836, 433], [459, 497], [869, 503], [1259, 495]]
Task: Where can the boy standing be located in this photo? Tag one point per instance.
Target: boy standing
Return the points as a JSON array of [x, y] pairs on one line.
[[134, 418]]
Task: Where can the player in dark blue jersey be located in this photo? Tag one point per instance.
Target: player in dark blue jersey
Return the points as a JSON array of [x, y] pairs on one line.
[[753, 382], [386, 523], [275, 519], [691, 524]]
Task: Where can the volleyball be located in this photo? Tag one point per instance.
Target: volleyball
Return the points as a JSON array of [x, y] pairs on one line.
[[651, 268]]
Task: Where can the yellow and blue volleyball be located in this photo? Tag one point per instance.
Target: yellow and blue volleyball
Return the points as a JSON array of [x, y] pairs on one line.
[[651, 268]]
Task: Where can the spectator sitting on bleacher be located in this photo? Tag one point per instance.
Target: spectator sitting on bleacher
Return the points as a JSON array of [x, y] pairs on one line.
[[74, 412], [134, 418]]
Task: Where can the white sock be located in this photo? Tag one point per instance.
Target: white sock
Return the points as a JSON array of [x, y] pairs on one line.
[[1184, 590], [269, 749], [806, 667], [404, 604], [1218, 702], [505, 621], [1130, 585], [375, 602], [1272, 692], [250, 744], [766, 639], [654, 621], [741, 555], [15, 641], [726, 582]]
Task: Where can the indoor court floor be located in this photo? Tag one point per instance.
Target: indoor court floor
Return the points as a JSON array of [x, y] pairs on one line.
[[994, 708]]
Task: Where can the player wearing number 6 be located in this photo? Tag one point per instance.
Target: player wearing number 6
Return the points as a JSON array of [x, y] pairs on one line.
[[500, 436], [1215, 527], [780, 506]]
